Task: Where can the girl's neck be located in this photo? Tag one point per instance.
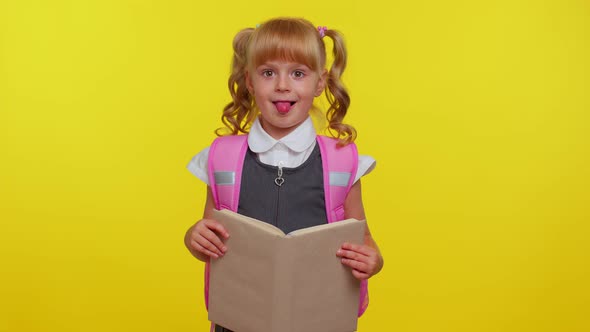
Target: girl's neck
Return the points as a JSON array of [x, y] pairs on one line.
[[276, 132]]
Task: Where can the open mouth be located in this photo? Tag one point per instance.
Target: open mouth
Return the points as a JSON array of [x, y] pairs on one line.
[[284, 106]]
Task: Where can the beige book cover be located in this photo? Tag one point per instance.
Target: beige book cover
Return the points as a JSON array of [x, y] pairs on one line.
[[272, 282]]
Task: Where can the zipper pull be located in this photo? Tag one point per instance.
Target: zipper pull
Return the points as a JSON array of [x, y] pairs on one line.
[[279, 180]]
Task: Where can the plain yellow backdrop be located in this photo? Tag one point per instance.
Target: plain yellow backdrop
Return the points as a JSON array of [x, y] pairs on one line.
[[477, 112]]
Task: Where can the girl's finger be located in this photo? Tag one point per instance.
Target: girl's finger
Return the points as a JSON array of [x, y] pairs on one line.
[[365, 250], [203, 250], [360, 275], [355, 265], [351, 255], [214, 239], [211, 241], [218, 228]]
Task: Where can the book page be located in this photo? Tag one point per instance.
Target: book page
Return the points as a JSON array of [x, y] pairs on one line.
[[320, 227], [240, 291], [326, 294], [253, 222]]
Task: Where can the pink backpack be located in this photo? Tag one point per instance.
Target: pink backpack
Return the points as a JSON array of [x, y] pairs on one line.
[[226, 159]]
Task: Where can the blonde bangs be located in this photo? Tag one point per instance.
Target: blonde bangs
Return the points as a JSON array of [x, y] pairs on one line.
[[287, 40]]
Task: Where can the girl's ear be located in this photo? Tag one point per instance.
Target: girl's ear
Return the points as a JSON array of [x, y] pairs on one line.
[[322, 83], [249, 83]]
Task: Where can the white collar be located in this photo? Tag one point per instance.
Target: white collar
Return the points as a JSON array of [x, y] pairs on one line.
[[298, 140]]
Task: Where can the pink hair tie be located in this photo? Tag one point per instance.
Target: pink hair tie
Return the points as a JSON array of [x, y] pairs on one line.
[[322, 30]]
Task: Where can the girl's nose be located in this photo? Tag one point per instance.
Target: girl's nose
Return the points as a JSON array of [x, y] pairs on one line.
[[282, 83]]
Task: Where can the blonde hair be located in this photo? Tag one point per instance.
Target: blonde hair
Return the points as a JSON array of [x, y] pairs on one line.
[[290, 39]]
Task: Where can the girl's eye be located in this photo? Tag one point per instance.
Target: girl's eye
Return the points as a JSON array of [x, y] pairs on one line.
[[267, 73], [298, 74]]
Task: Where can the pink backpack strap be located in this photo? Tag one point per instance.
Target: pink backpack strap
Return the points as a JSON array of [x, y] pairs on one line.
[[226, 160], [340, 166]]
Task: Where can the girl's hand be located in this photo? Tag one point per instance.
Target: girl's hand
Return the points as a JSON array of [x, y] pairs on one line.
[[203, 239], [364, 260]]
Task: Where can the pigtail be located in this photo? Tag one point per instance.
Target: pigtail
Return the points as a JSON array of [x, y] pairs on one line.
[[239, 113], [336, 93]]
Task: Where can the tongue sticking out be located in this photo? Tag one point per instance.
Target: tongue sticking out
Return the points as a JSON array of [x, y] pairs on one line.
[[283, 106]]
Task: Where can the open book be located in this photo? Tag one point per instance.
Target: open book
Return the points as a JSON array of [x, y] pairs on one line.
[[271, 282]]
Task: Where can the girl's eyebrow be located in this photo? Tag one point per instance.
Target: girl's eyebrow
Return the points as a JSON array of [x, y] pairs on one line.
[[266, 65], [275, 64]]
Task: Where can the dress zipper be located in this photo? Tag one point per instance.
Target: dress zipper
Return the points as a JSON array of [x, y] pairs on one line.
[[279, 180]]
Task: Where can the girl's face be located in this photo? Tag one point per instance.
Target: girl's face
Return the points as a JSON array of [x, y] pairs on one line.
[[284, 93]]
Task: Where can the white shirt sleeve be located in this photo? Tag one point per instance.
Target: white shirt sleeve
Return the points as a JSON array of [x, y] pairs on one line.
[[366, 165], [198, 165]]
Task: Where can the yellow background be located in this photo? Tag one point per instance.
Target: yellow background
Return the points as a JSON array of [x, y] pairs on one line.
[[477, 112]]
